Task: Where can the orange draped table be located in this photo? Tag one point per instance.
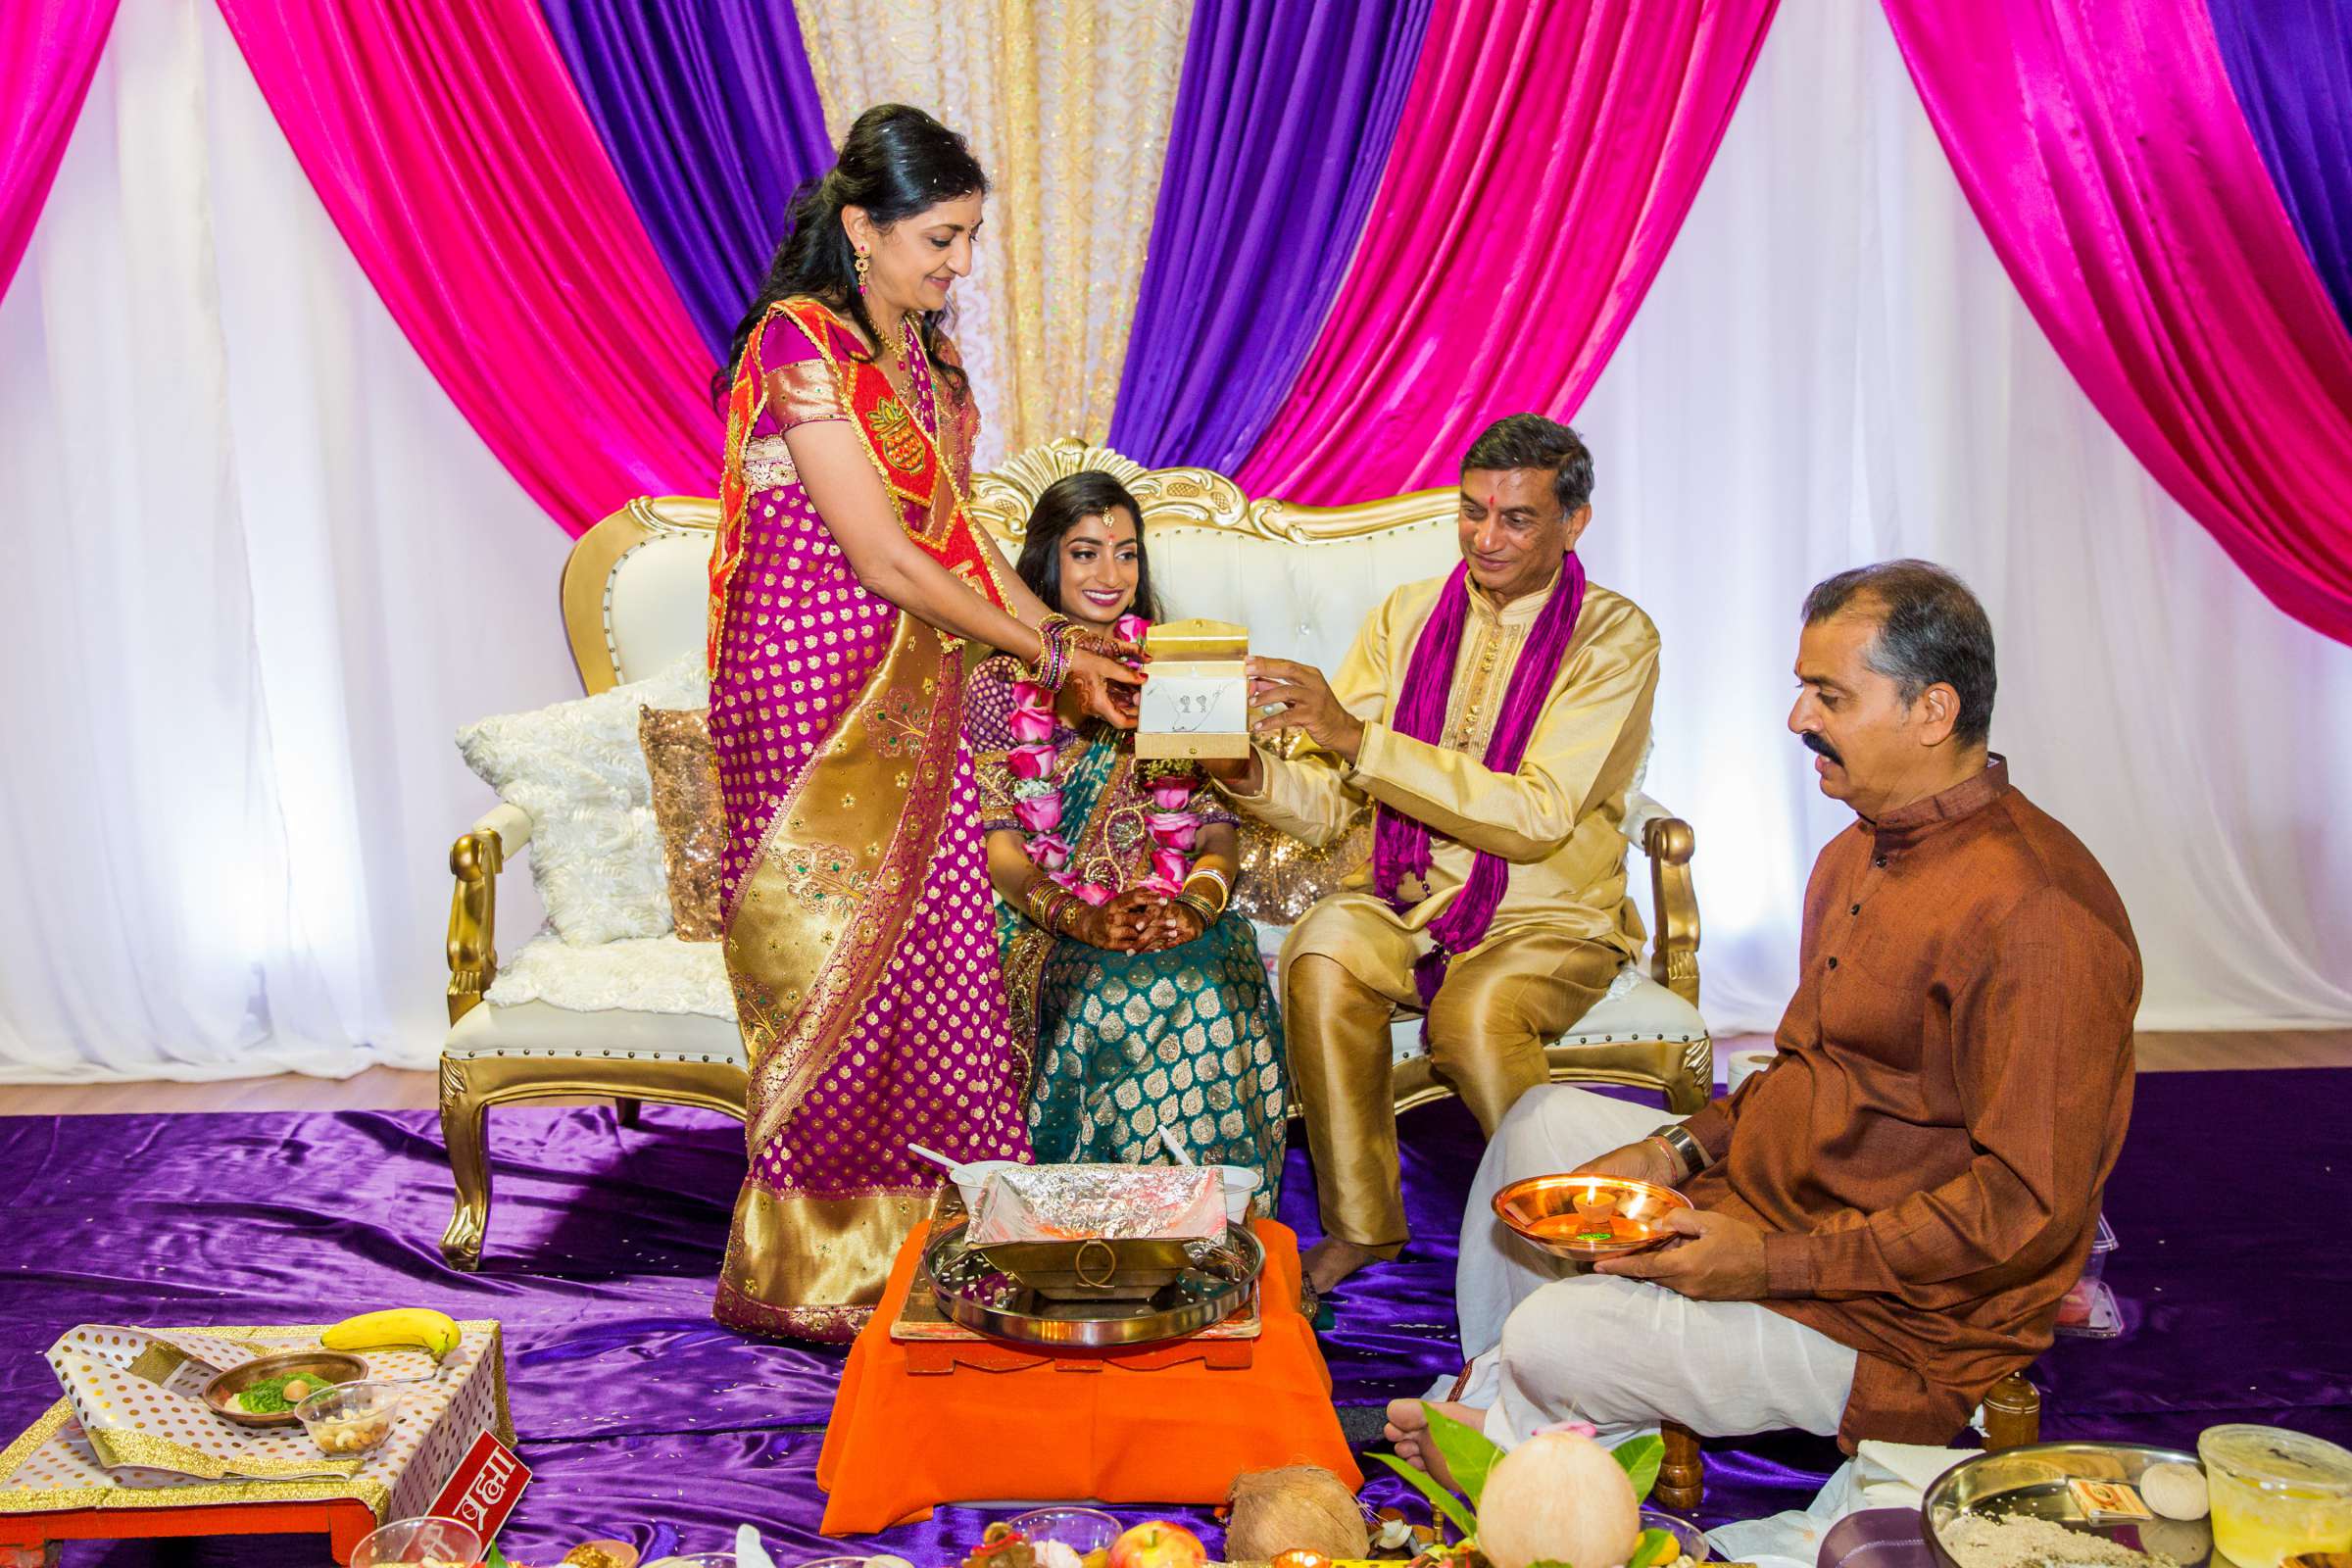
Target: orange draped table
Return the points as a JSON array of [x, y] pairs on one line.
[[1151, 1425]]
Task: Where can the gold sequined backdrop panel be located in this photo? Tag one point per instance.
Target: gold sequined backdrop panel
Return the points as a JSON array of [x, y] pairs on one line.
[[1067, 105]]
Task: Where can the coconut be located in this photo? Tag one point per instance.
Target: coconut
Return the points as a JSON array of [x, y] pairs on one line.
[[1560, 1498], [1300, 1507]]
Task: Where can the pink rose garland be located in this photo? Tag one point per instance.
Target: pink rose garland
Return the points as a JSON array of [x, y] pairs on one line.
[[1037, 797]]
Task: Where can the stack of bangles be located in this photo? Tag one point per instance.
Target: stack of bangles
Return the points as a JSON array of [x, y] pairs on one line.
[[1053, 643], [1202, 903], [1052, 906]]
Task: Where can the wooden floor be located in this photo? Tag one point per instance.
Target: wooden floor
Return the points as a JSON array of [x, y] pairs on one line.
[[384, 1088]]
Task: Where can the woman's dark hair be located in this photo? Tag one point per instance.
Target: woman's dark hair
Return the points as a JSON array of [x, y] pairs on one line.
[[894, 163], [1066, 502]]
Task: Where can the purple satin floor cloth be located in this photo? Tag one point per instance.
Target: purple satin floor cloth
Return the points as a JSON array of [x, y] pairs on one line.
[[644, 1420]]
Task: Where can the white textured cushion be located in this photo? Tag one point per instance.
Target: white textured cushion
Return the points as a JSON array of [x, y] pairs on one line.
[[657, 604], [638, 974], [536, 1029], [596, 852]]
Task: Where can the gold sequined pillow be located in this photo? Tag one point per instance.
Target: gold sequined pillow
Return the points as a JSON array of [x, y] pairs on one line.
[[688, 811], [1282, 878]]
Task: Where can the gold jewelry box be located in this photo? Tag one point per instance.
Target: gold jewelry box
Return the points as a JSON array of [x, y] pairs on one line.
[[1197, 702]]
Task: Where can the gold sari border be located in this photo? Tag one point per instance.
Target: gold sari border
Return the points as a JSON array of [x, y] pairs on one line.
[[825, 901]]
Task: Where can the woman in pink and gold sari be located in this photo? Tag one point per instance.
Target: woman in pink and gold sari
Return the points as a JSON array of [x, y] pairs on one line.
[[847, 575]]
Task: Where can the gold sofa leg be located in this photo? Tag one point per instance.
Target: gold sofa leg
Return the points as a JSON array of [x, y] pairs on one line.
[[471, 1085], [462, 1115]]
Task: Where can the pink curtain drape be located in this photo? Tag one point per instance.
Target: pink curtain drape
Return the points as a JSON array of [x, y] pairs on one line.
[[453, 152], [1546, 157], [2102, 150], [48, 53]]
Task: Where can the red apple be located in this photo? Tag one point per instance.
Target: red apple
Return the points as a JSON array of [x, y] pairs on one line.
[[1158, 1544]]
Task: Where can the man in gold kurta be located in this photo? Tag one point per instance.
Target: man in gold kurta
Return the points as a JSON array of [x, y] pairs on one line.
[[1496, 717]]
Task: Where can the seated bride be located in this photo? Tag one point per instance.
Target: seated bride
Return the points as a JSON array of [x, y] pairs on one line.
[[1139, 995]]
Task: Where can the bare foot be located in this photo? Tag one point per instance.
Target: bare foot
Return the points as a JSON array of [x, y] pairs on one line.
[[1408, 1432], [1330, 1261]]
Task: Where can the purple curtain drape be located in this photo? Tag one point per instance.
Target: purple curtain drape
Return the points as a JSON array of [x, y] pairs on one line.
[[709, 114], [48, 53], [1547, 158], [450, 149], [1284, 118], [2101, 148], [2290, 62]]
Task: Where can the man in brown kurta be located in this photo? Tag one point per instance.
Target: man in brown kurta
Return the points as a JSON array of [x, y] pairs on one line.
[[1888, 1216]]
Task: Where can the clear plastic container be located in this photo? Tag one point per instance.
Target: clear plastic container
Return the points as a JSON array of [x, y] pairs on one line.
[[2088, 1310], [427, 1540], [1088, 1532], [352, 1418], [2275, 1493]]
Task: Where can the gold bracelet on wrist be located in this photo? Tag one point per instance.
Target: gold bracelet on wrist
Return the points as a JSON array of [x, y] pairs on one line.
[[1224, 888]]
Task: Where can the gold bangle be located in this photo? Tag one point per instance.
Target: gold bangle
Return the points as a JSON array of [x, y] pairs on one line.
[[1224, 888]]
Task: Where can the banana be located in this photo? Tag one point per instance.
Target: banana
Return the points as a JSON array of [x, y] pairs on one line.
[[417, 1326]]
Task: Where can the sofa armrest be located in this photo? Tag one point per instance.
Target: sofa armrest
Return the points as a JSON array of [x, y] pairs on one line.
[[1668, 843], [475, 860]]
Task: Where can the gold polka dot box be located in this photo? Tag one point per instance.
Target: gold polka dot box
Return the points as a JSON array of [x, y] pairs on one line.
[[133, 1430]]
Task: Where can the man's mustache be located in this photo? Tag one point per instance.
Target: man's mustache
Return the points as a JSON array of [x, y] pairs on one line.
[[1814, 743]]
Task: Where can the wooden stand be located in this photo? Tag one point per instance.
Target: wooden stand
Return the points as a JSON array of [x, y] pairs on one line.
[[1682, 1473]]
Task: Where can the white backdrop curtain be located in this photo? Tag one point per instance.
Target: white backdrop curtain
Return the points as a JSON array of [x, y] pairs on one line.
[[259, 569], [1830, 368]]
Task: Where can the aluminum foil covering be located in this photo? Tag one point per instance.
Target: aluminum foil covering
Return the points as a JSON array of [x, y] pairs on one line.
[[1118, 1203]]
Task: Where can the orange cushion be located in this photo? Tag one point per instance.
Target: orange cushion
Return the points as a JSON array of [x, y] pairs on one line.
[[901, 1441]]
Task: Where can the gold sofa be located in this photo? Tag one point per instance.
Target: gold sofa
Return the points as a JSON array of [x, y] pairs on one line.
[[1301, 578]]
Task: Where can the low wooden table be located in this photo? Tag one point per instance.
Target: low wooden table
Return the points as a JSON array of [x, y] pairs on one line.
[[51, 1487]]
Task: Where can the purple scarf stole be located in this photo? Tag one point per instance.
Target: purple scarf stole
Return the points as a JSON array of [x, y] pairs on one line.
[[1399, 844]]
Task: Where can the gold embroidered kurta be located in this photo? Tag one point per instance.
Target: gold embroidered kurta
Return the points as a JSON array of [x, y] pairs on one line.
[[1564, 926], [1557, 819]]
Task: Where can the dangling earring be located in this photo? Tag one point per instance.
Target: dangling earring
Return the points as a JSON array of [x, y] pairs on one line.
[[865, 267]]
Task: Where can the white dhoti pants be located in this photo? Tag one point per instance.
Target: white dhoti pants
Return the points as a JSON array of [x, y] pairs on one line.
[[1547, 1343]]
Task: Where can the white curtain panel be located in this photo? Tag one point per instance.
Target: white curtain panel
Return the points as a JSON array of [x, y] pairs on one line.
[[1832, 368], [258, 569]]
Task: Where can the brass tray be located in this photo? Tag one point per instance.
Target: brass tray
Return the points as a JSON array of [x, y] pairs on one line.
[[2032, 1481], [1220, 1278], [1095, 1267], [327, 1366]]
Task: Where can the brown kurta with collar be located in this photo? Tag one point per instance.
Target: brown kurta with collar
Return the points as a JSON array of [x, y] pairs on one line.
[[1954, 1080]]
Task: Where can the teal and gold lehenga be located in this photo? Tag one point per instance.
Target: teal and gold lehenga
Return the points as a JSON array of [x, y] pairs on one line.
[[1124, 1044]]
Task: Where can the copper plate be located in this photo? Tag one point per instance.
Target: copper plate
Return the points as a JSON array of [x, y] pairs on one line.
[[1587, 1218], [327, 1366]]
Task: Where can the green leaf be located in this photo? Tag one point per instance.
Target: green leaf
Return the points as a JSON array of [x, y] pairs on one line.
[[1642, 1457], [1654, 1546], [1468, 1452], [495, 1558], [1439, 1498]]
